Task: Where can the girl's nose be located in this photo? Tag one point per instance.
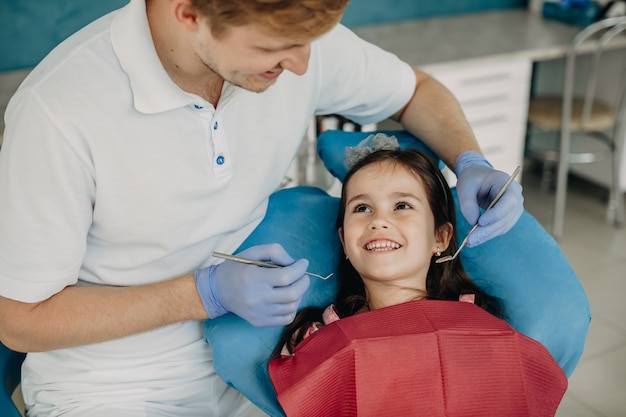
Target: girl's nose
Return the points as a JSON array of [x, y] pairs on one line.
[[378, 223]]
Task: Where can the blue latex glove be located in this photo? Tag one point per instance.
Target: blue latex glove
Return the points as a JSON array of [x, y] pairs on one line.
[[477, 185], [262, 296]]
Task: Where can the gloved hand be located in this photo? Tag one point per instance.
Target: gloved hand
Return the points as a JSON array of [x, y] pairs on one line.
[[262, 296], [477, 185]]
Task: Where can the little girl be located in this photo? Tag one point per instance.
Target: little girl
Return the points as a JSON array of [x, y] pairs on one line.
[[398, 341]]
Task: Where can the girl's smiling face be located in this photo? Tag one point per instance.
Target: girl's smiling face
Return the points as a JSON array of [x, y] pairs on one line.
[[389, 232]]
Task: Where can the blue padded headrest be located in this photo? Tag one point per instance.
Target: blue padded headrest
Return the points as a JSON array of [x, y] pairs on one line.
[[332, 144]]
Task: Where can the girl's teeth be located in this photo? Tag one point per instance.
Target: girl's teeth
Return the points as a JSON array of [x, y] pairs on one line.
[[382, 245]]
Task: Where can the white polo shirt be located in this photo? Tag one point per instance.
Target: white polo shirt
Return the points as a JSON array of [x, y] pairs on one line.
[[111, 174]]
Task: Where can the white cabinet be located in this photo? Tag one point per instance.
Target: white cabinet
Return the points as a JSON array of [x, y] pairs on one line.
[[494, 96]]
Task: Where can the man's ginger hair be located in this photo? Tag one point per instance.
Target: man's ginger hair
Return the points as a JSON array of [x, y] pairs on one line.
[[297, 18]]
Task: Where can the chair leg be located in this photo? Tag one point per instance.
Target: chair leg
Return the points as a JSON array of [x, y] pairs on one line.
[[618, 160], [547, 176], [559, 203], [621, 215], [615, 210]]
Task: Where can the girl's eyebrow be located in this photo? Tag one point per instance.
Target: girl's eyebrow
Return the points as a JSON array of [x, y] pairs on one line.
[[404, 194], [421, 200], [356, 197], [396, 194]]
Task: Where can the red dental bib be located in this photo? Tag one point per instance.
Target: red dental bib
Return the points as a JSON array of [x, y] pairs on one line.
[[422, 358]]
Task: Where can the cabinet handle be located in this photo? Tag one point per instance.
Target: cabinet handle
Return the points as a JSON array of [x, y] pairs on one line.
[[485, 100], [501, 76]]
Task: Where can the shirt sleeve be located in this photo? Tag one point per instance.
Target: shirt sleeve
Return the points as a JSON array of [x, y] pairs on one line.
[[359, 80], [46, 198]]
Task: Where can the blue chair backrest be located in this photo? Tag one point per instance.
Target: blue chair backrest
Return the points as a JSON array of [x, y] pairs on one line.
[[11, 365]]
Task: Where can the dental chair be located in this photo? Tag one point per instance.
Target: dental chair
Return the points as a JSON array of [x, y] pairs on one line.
[[524, 269], [10, 365]]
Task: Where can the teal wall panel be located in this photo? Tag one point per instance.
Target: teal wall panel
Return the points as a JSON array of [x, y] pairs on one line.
[[364, 12], [29, 29]]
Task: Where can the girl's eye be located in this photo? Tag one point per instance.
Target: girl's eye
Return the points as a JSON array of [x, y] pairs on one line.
[[361, 208], [403, 206]]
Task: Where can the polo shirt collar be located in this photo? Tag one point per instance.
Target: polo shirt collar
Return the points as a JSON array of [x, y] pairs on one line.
[[153, 90]]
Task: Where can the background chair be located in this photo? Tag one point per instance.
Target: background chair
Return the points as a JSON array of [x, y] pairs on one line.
[[581, 128], [10, 366]]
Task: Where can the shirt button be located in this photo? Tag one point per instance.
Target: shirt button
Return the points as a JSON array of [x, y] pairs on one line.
[[220, 160], [215, 126], [197, 106]]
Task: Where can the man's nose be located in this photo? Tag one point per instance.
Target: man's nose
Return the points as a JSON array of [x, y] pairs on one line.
[[298, 60]]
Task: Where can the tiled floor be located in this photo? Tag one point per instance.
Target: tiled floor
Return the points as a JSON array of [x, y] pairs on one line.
[[597, 252]]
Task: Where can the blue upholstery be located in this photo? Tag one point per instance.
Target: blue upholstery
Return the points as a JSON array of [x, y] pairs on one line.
[[525, 269], [331, 147], [11, 365], [302, 219]]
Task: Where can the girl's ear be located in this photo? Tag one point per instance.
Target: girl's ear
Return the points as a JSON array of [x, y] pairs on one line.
[[340, 232], [443, 235]]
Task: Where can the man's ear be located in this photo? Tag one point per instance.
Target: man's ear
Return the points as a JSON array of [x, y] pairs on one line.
[[443, 235], [185, 14]]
